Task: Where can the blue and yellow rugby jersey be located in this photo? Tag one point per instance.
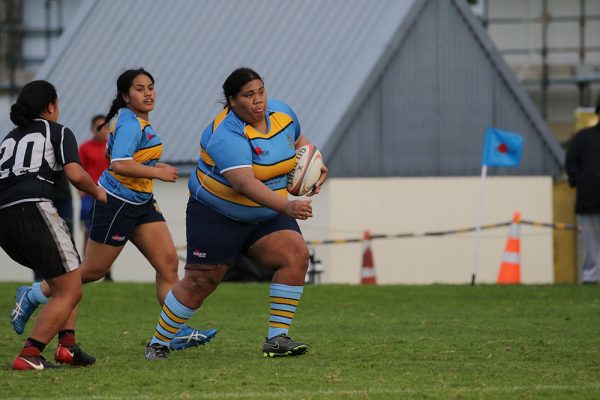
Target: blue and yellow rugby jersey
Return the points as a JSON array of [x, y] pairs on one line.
[[229, 143], [131, 138]]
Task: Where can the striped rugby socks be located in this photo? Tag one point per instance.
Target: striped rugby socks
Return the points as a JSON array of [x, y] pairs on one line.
[[173, 316], [284, 300]]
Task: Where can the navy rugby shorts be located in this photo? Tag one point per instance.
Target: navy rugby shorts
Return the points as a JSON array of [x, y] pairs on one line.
[[113, 222], [213, 238]]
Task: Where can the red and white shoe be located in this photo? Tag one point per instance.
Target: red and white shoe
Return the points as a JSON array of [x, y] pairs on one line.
[[73, 355], [25, 363]]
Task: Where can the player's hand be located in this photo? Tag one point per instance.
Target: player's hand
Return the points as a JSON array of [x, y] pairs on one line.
[[298, 209], [100, 194], [166, 173], [317, 188]]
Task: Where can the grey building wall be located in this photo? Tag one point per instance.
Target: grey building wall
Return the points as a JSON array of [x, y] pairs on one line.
[[428, 111]]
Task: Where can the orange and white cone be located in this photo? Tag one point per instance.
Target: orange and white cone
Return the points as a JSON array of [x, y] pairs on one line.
[[367, 272], [510, 267]]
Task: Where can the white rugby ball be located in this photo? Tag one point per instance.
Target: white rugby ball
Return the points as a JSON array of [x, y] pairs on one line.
[[306, 172]]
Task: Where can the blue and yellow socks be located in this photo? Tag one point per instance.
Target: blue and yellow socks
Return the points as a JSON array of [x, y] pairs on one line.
[[173, 316], [284, 300]]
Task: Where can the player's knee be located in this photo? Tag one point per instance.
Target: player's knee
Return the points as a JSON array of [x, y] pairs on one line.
[[167, 267], [203, 281], [296, 257]]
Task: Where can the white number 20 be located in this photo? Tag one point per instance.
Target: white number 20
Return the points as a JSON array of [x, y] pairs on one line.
[[35, 141]]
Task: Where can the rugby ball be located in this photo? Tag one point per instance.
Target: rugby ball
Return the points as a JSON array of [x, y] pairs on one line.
[[306, 172]]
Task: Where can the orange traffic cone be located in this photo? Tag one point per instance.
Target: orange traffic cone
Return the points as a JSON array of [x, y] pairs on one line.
[[367, 272], [510, 267]]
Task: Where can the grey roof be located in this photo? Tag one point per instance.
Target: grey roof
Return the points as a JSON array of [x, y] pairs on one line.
[[337, 62]]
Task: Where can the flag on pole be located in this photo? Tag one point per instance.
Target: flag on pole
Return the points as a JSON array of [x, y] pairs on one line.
[[501, 148]]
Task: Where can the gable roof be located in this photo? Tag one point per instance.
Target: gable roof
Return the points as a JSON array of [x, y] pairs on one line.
[[321, 57]]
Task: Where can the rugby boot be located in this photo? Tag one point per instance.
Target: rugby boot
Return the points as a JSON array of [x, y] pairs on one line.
[[73, 355], [25, 363], [190, 337], [283, 346], [156, 351], [22, 309]]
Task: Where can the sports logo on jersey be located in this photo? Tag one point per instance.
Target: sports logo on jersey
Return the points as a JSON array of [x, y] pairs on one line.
[[118, 238], [260, 152], [199, 253]]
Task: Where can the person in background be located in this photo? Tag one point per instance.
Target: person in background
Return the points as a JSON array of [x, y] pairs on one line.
[[131, 212], [33, 156], [582, 165], [94, 161], [239, 204]]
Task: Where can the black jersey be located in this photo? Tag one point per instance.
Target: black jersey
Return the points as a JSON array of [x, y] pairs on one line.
[[31, 160]]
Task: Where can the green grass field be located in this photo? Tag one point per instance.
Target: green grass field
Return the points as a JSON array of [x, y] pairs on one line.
[[384, 342]]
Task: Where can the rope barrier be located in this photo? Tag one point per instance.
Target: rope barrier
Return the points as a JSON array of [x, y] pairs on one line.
[[407, 235], [555, 226], [559, 226]]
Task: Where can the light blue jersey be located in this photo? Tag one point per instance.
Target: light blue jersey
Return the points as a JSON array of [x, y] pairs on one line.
[[131, 138], [229, 143]]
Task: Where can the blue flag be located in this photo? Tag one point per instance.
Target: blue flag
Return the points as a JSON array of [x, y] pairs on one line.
[[501, 148]]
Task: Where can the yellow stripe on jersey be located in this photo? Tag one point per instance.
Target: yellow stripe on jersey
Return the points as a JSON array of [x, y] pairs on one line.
[[266, 172], [167, 327], [143, 185], [173, 316], [147, 154], [283, 300], [226, 193], [281, 313], [223, 191], [278, 122], [206, 159], [220, 118], [141, 156]]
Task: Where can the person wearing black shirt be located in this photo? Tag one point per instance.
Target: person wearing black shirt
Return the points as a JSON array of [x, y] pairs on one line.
[[33, 156], [582, 165]]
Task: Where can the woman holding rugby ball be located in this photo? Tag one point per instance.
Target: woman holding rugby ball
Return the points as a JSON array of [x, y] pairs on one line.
[[239, 204]]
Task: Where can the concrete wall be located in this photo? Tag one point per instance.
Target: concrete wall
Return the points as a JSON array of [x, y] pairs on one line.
[[398, 205], [347, 207]]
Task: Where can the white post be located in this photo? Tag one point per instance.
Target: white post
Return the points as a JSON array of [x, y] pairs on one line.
[[479, 222]]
